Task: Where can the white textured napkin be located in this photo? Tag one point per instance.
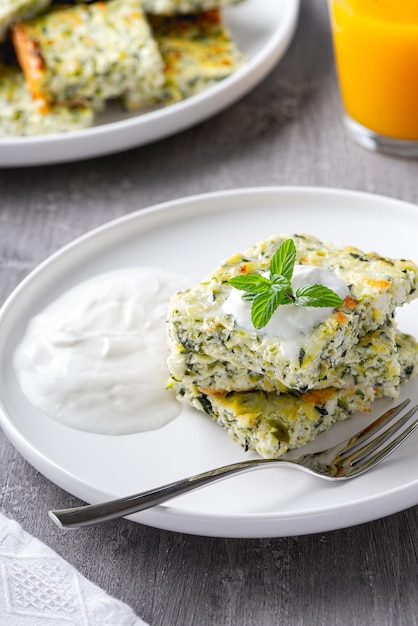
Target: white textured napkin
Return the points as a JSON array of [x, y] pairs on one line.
[[39, 588]]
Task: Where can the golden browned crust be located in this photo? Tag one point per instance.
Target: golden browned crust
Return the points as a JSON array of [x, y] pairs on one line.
[[30, 59]]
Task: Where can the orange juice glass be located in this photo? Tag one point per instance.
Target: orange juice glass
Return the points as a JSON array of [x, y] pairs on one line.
[[376, 52]]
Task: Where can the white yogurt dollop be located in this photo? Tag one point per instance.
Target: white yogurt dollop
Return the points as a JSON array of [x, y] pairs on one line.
[[289, 321], [95, 359]]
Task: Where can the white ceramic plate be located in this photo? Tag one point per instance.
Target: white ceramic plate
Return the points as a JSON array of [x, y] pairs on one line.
[[262, 29], [192, 236]]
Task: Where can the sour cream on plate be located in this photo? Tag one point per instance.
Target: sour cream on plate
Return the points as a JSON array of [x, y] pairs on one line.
[[95, 359]]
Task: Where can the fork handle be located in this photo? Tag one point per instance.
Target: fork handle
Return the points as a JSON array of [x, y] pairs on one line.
[[94, 513]]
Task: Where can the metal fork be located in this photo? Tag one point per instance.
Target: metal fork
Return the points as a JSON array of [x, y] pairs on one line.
[[348, 459]]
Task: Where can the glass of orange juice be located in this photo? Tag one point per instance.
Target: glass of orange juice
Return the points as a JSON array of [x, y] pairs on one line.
[[376, 52]]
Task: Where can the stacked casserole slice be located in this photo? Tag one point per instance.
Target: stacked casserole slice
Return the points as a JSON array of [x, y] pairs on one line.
[[274, 394]]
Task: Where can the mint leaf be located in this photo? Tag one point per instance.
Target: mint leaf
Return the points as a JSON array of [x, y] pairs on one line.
[[279, 283], [267, 294], [250, 282], [249, 296], [317, 295], [284, 260], [263, 307]]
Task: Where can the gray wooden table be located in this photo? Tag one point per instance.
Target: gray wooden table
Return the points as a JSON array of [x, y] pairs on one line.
[[286, 132]]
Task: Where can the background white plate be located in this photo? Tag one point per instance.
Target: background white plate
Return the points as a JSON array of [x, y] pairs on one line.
[[262, 29], [192, 236]]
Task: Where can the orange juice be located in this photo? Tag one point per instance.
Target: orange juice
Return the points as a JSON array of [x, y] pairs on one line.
[[376, 50]]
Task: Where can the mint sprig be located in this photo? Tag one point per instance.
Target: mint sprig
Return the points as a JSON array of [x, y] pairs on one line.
[[267, 294]]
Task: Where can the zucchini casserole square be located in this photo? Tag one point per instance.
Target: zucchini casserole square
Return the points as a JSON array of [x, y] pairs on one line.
[[275, 389], [88, 53], [197, 51]]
